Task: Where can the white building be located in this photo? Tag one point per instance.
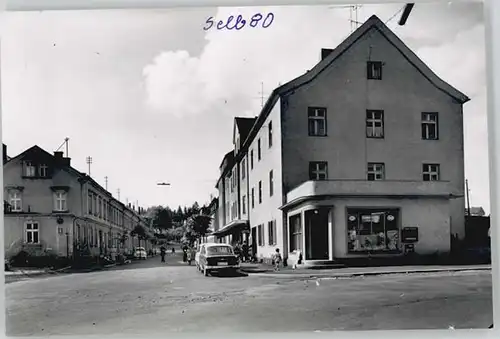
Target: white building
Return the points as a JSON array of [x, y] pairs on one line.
[[355, 157]]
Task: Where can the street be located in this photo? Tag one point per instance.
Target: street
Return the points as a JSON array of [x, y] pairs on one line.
[[149, 297]]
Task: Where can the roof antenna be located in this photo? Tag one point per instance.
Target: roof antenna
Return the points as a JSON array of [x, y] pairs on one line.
[[65, 143]]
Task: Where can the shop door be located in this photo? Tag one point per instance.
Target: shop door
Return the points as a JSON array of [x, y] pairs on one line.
[[316, 222]]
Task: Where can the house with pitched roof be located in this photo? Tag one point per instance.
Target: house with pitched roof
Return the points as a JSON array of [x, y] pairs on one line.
[[363, 155], [54, 207]]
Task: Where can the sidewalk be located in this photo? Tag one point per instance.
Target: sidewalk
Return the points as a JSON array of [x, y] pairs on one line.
[[288, 272]]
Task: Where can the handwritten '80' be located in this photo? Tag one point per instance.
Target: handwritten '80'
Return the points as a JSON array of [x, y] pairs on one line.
[[239, 23]]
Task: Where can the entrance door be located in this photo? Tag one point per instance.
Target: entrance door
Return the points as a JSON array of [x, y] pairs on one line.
[[254, 242], [316, 222]]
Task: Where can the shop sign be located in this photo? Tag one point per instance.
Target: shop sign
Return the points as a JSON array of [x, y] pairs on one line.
[[409, 234]]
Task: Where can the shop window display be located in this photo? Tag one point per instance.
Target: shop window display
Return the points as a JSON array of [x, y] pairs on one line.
[[372, 230]]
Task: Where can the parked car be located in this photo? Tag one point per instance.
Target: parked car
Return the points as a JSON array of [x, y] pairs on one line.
[[140, 253], [216, 258]]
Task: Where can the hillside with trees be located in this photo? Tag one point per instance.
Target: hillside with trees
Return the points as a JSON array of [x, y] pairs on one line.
[[184, 224]]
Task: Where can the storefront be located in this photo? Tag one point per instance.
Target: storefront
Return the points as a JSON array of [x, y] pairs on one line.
[[328, 229], [233, 233]]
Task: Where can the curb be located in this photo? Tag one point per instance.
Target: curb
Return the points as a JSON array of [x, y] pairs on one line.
[[361, 274]]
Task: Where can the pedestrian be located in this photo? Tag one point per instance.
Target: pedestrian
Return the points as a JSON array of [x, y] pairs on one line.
[[277, 260], [245, 251], [163, 252], [173, 250]]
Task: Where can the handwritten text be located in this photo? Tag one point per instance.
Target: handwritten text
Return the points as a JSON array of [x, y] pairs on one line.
[[238, 22]]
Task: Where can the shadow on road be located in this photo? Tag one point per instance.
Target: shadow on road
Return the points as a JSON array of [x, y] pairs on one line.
[[229, 274]]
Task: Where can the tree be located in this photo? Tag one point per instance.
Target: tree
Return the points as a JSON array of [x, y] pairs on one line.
[[140, 232], [162, 219], [197, 226]]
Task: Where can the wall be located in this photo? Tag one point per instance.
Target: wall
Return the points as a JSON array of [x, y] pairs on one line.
[[403, 94], [271, 160], [37, 195]]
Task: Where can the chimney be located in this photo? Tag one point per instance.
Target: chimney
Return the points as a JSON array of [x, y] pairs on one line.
[[325, 52], [58, 155], [4, 153], [66, 162]]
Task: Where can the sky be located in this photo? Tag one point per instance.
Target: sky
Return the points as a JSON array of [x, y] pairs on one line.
[[151, 96]]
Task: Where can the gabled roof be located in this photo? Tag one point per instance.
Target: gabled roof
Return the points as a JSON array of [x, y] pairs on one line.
[[71, 170], [244, 125], [372, 23]]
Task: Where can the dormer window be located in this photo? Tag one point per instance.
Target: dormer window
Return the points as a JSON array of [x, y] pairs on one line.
[[29, 169], [43, 171]]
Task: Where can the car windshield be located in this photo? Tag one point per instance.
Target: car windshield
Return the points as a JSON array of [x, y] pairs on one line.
[[219, 250]]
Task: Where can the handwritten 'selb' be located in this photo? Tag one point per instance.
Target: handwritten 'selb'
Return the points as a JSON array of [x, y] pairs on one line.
[[257, 20]]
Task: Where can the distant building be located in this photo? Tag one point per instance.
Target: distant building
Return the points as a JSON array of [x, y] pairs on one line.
[[52, 206]]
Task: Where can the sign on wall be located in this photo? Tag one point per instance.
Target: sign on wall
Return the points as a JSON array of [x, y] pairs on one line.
[[409, 234]]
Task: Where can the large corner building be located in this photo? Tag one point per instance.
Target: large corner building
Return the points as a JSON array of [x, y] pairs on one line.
[[357, 156]]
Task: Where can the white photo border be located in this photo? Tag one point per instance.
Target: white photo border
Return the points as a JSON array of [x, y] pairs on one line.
[[492, 25]]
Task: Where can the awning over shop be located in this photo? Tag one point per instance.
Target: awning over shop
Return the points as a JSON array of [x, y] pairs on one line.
[[234, 225]]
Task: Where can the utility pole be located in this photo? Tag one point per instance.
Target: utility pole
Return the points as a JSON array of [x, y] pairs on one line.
[[106, 182], [468, 199], [89, 162]]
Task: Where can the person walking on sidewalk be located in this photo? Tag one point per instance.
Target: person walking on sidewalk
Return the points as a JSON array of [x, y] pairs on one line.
[[277, 260], [163, 252]]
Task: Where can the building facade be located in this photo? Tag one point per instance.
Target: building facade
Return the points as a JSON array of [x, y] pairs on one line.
[[362, 155], [53, 207]]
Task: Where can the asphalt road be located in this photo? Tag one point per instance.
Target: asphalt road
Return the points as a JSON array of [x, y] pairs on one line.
[[150, 297]]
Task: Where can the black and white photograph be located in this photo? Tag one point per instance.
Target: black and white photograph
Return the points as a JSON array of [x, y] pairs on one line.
[[246, 169]]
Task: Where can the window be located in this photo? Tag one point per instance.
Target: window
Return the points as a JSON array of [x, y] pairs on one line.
[[251, 159], [253, 197], [43, 170], [89, 202], [430, 172], [372, 230], [296, 233], [29, 169], [430, 126], [317, 121], [318, 170], [376, 171], [32, 236], [260, 192], [260, 235], [270, 133], [259, 152], [271, 232], [375, 123], [94, 204], [227, 210], [99, 209], [60, 201], [244, 204], [15, 201], [232, 181], [243, 169], [271, 184], [374, 70]]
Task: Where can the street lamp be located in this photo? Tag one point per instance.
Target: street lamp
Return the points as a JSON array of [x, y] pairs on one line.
[[406, 13]]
